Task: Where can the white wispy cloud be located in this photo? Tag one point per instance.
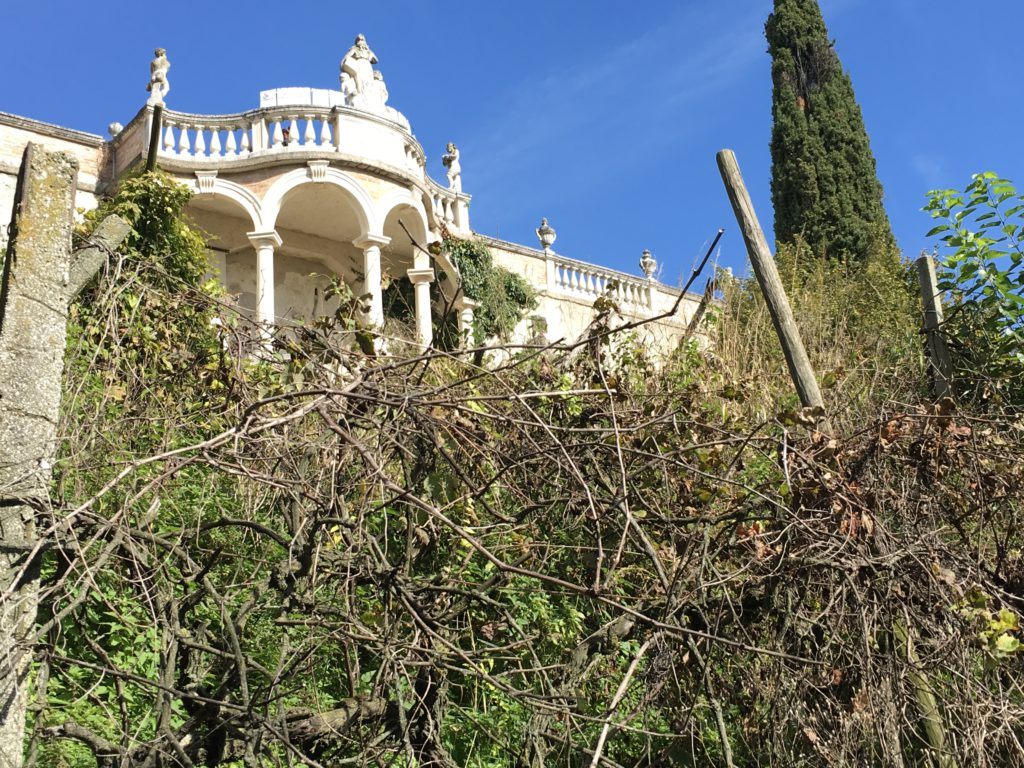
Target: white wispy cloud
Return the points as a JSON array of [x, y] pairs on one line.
[[630, 91]]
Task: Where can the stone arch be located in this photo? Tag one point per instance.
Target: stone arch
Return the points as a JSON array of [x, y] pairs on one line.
[[363, 208], [419, 226], [229, 190]]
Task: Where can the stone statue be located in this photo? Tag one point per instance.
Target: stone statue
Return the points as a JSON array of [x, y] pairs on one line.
[[648, 264], [357, 70], [451, 162], [158, 86], [377, 96]]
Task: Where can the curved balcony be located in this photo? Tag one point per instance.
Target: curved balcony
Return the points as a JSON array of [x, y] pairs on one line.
[[293, 134]]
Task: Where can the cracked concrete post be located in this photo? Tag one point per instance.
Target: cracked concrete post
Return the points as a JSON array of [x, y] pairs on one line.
[[33, 330]]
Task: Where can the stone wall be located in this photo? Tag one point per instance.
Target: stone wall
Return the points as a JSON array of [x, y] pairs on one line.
[[567, 316], [15, 134]]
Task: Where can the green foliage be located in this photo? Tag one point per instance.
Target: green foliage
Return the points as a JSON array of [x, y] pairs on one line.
[[860, 324], [982, 270], [505, 297], [458, 568], [824, 185]]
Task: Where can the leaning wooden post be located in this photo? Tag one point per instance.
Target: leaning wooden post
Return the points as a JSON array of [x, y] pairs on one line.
[[931, 298], [39, 281], [771, 284]]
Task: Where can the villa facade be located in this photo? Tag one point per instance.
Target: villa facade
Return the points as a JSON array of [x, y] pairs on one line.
[[314, 185]]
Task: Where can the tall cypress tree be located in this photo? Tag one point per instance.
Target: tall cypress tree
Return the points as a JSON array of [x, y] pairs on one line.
[[824, 185]]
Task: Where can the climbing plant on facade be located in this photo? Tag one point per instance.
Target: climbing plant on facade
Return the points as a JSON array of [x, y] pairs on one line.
[[504, 296]]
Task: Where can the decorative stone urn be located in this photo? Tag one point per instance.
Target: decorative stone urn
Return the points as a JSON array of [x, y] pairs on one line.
[[648, 264], [547, 235]]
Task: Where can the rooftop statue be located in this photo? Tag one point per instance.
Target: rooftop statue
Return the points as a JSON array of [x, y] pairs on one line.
[[361, 86], [451, 162], [158, 86]]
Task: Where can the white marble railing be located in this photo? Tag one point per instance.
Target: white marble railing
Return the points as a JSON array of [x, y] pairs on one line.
[[576, 278], [229, 136], [445, 203]]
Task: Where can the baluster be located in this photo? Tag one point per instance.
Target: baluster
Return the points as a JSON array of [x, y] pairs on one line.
[[309, 137], [231, 146], [575, 277], [449, 213], [275, 129], [215, 149], [293, 131], [183, 146], [326, 140], [246, 145], [169, 139], [200, 147]]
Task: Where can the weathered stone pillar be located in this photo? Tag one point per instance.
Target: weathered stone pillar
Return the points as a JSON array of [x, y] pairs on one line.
[[265, 243], [370, 246], [33, 330], [421, 280]]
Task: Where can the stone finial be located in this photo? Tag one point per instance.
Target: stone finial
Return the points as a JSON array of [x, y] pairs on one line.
[[547, 235], [648, 264], [158, 86], [114, 128], [451, 162]]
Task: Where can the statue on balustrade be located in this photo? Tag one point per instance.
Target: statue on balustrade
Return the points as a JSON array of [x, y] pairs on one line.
[[451, 162], [158, 86], [376, 97], [357, 76]]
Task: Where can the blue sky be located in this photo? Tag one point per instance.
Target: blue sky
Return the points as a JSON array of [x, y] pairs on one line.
[[603, 116]]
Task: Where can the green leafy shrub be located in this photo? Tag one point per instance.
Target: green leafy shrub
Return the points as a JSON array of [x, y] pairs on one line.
[[982, 272]]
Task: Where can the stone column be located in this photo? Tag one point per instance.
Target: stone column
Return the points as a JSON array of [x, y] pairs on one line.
[[370, 246], [421, 280], [265, 243]]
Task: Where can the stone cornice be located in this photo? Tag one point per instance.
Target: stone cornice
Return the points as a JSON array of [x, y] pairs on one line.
[[49, 129]]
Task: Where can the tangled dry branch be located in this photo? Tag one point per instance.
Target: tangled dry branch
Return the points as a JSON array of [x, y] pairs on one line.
[[571, 558]]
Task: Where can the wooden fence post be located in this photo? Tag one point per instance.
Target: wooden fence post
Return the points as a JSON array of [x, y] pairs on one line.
[[771, 284], [931, 299], [39, 281]]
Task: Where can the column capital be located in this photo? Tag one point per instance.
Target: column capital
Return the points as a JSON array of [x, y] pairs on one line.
[[367, 241], [262, 239], [417, 276]]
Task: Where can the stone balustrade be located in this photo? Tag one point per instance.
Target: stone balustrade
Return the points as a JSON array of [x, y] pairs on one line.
[[269, 130], [224, 137], [448, 205], [588, 282]]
